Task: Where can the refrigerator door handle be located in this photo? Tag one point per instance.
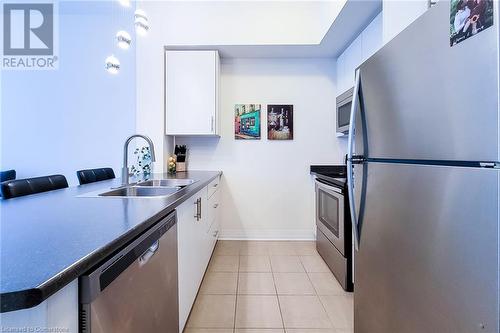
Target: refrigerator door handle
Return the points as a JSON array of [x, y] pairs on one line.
[[350, 161]]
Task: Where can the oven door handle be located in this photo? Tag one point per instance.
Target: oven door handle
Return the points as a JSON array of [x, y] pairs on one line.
[[329, 187]]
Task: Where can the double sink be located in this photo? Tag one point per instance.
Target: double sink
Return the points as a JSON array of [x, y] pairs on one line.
[[149, 188]]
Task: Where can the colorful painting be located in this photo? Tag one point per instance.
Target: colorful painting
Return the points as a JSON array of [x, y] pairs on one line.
[[280, 122], [247, 121], [468, 18]]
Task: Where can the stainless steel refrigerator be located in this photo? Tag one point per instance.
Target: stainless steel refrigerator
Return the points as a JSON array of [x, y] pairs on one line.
[[424, 176]]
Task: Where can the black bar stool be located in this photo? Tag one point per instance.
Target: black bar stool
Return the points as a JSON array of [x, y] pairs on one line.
[[20, 187], [94, 175]]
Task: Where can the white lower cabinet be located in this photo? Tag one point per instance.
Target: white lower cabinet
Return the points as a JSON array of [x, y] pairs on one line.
[[58, 313], [213, 207], [213, 221], [197, 232]]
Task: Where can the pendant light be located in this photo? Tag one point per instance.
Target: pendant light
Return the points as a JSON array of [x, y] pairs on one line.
[[124, 3], [141, 22], [112, 64], [123, 39]]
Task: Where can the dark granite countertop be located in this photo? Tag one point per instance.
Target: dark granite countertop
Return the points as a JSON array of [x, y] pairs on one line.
[[49, 239]]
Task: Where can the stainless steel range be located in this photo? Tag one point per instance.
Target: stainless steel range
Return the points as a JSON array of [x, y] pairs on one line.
[[333, 234]]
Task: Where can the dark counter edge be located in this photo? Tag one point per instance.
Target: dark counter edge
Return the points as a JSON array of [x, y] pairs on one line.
[[329, 173], [28, 298]]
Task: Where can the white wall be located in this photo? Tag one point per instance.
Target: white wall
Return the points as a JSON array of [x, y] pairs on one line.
[[398, 14], [150, 98], [215, 23], [267, 191], [77, 116]]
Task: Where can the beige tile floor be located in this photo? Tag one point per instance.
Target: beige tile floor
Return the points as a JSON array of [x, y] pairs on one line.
[[270, 287]]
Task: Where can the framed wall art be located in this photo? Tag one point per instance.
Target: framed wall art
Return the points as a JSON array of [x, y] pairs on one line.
[[247, 121], [280, 122]]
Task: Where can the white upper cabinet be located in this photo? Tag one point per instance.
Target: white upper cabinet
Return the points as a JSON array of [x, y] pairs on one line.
[[192, 92], [397, 15], [364, 46], [371, 38], [347, 63]]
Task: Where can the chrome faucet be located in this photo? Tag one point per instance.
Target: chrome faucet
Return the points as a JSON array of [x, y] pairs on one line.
[[125, 171]]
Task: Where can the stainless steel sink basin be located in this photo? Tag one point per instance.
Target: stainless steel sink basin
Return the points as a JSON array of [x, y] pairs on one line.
[[137, 191], [154, 188], [167, 182]]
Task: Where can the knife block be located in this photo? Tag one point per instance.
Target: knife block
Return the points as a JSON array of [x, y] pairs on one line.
[[181, 166]]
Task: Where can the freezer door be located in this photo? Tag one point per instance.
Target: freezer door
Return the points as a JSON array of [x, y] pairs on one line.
[[426, 100], [428, 252]]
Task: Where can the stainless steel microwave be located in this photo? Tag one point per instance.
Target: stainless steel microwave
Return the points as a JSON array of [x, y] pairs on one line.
[[344, 102]]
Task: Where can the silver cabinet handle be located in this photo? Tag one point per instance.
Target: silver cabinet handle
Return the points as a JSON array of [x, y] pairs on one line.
[[350, 154], [215, 185], [216, 205], [215, 233], [198, 209]]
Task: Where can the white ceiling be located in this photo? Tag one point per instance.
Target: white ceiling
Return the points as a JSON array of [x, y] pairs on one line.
[[260, 28]]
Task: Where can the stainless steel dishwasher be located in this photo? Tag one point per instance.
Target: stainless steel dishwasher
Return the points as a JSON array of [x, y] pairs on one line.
[[136, 289]]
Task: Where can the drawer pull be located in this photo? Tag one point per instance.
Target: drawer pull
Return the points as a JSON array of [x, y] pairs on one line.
[[215, 185], [216, 205]]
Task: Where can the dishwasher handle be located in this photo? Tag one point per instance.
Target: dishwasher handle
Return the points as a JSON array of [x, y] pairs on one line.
[[141, 249], [144, 258]]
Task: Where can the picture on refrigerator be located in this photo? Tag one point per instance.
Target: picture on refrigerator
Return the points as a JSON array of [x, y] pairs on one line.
[[247, 121], [280, 122], [468, 18]]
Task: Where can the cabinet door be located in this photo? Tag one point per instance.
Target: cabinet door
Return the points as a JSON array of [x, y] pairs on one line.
[[191, 85], [59, 310], [213, 207], [212, 225], [212, 236], [371, 38], [191, 249], [203, 229]]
